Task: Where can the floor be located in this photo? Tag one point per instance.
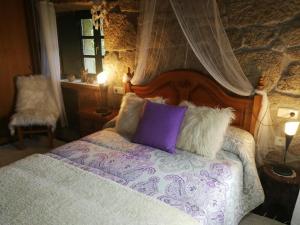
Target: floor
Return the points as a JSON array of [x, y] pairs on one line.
[[253, 219], [39, 144]]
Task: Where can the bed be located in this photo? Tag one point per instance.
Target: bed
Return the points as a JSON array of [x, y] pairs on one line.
[[104, 178]]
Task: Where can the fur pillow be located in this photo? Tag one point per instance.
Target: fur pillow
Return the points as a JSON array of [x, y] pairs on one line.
[[203, 129], [130, 113]]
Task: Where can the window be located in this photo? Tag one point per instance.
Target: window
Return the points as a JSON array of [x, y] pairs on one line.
[[80, 45], [92, 45]]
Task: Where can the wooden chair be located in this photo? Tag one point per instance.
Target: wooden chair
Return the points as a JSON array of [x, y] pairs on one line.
[[36, 111], [22, 130]]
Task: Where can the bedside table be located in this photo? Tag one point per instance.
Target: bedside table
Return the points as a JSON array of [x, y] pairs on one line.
[[281, 194], [91, 121]]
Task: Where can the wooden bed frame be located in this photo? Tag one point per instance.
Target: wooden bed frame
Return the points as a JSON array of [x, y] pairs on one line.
[[201, 90]]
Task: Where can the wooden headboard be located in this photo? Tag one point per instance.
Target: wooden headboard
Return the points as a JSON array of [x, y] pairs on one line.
[[202, 91]]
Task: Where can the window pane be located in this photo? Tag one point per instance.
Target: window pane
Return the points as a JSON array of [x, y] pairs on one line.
[[102, 47], [88, 46], [90, 65], [87, 27], [101, 28]]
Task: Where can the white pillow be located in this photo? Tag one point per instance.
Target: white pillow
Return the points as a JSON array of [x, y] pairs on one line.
[[130, 113], [203, 129]]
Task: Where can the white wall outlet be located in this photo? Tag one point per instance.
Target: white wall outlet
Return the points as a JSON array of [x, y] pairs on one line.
[[285, 113], [279, 141], [118, 90]]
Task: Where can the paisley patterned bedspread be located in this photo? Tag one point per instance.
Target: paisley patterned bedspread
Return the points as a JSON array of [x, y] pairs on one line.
[[217, 191]]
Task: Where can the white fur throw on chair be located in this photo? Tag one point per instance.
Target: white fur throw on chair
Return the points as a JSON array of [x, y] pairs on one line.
[[35, 103]]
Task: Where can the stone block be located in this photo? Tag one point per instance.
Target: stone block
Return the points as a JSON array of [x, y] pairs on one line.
[[129, 5], [235, 37], [289, 85], [278, 45], [277, 100], [112, 64], [118, 63], [258, 36], [263, 12], [294, 52], [125, 5], [262, 63], [293, 69], [120, 33], [127, 58], [290, 33]]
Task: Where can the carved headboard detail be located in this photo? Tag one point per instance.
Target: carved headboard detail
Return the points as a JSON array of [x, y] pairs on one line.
[[202, 90]]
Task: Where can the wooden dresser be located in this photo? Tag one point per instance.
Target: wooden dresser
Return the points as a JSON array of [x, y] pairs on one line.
[[91, 121], [81, 101]]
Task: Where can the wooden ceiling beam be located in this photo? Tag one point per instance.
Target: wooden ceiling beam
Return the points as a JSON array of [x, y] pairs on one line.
[[68, 5]]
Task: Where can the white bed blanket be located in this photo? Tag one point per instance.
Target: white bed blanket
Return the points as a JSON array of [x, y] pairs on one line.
[[40, 190]]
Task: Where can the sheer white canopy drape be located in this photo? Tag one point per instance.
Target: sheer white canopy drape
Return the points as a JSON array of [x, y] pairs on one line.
[[50, 53], [176, 34]]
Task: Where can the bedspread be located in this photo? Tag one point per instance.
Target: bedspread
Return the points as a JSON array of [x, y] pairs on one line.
[[217, 191], [40, 190]]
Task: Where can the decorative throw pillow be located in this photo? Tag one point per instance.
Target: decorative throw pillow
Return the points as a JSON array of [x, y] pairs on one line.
[[159, 126], [130, 113], [203, 129]]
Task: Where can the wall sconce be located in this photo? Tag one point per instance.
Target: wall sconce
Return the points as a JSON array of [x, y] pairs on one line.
[[290, 129], [102, 81]]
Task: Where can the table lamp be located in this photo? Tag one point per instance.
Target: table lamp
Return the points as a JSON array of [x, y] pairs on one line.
[[102, 81], [290, 129]]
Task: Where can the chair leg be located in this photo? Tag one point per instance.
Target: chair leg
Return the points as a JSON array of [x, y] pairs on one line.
[[50, 136], [20, 137], [30, 132]]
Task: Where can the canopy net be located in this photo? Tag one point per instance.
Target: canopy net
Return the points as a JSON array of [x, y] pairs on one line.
[[176, 34]]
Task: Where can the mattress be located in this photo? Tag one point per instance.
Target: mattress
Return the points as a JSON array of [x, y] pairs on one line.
[[219, 191]]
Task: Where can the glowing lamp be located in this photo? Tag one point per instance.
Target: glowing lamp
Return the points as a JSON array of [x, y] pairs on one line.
[[290, 129], [102, 78]]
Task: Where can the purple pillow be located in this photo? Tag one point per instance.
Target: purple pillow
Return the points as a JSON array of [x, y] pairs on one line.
[[159, 126]]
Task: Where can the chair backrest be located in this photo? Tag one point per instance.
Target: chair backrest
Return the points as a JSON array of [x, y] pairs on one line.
[[34, 93]]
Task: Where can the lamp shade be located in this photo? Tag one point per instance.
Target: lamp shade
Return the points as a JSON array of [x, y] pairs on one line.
[[290, 128], [102, 77]]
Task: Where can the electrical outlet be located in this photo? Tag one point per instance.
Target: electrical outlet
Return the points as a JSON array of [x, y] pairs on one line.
[[286, 113], [118, 90], [279, 141]]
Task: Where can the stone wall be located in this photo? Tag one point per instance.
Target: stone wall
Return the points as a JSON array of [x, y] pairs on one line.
[[120, 43], [265, 36]]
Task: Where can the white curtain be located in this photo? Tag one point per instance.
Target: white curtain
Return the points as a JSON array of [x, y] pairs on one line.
[[50, 53], [177, 35], [296, 213]]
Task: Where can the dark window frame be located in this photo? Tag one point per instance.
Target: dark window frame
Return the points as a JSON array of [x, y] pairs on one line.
[[77, 16], [97, 43]]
